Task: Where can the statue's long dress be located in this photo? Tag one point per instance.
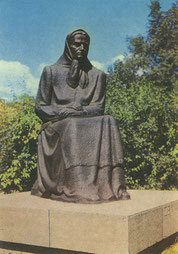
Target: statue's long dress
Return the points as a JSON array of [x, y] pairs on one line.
[[79, 158]]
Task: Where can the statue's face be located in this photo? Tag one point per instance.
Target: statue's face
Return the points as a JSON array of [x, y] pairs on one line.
[[79, 46]]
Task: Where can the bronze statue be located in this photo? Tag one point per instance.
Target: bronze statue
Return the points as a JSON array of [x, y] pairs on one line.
[[80, 153]]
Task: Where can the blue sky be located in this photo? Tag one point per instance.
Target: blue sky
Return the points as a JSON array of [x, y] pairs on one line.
[[33, 32]]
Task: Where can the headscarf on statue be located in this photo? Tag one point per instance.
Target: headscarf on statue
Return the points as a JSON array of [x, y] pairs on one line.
[[78, 71]]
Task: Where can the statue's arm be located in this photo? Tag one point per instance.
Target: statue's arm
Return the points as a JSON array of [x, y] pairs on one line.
[[43, 107], [96, 107]]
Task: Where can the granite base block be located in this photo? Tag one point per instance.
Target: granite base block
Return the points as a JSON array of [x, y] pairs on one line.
[[119, 227]]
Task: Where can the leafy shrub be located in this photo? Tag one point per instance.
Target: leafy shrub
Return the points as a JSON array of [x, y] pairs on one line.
[[146, 117], [18, 144]]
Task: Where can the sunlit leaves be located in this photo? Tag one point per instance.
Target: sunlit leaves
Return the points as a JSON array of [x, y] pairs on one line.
[[19, 128]]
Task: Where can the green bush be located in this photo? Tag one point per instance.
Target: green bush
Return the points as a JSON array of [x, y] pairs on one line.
[[18, 144], [146, 117]]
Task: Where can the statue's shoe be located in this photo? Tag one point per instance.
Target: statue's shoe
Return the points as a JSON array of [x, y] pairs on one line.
[[123, 195]]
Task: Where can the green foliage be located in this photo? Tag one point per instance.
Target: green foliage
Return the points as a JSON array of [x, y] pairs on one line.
[[141, 95], [147, 125], [18, 144], [157, 54]]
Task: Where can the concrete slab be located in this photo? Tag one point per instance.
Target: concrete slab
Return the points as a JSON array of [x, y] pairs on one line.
[[24, 225], [145, 229], [116, 227], [92, 233]]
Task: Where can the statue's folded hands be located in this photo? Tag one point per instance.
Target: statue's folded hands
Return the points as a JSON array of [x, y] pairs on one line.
[[69, 111]]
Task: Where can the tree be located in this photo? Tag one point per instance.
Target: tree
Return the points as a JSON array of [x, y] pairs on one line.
[[141, 96], [157, 53]]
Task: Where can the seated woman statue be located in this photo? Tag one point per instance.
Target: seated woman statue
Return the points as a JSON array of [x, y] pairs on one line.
[[80, 153]]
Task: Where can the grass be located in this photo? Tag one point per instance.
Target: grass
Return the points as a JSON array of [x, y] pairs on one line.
[[173, 249]]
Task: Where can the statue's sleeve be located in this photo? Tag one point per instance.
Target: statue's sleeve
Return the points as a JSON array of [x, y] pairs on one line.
[[96, 107], [43, 107]]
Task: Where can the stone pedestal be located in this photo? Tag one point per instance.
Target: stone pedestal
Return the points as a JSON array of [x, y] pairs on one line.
[[119, 227]]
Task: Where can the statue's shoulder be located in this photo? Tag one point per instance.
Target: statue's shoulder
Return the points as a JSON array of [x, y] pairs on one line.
[[98, 72], [50, 69], [47, 68]]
